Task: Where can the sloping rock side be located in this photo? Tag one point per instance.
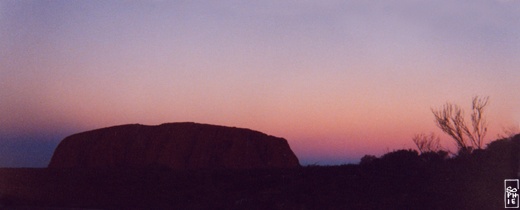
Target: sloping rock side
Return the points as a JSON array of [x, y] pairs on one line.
[[174, 145]]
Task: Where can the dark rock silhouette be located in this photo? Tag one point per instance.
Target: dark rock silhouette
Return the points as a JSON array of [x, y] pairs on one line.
[[400, 179], [175, 146]]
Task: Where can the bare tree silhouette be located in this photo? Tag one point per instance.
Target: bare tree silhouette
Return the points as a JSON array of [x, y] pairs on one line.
[[450, 119], [426, 143]]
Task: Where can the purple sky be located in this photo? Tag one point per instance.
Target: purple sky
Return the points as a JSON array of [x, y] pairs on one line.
[[337, 79]]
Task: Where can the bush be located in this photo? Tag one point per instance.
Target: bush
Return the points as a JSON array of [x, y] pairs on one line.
[[367, 159], [401, 159], [438, 156]]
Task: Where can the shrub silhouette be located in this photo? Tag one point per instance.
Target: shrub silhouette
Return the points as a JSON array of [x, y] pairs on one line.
[[450, 119], [432, 156], [427, 143], [367, 159], [401, 159], [504, 153], [408, 155]]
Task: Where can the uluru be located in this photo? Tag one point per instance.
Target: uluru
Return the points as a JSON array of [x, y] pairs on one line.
[[183, 145]]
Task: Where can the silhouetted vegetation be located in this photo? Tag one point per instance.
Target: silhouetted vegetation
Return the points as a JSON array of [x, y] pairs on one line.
[[401, 179], [427, 143], [509, 132], [450, 119]]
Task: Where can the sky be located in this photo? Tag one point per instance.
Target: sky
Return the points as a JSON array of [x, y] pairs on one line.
[[337, 79]]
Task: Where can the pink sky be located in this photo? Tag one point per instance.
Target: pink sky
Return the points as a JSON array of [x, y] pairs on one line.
[[337, 79]]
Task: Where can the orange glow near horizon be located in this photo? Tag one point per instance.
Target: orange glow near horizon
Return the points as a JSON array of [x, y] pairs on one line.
[[337, 79]]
